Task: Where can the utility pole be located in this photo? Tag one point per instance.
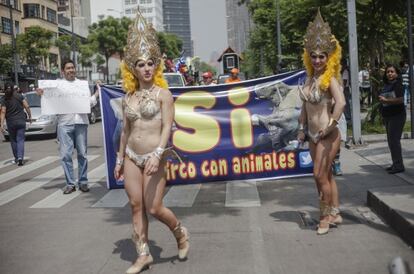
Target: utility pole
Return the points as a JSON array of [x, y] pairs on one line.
[[13, 40], [279, 44], [410, 62], [73, 34], [353, 57]]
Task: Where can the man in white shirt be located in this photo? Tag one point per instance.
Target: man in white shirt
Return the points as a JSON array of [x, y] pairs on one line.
[[365, 85], [72, 131]]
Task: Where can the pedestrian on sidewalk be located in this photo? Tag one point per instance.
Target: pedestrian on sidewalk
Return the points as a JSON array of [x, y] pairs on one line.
[[148, 109], [72, 132], [321, 57], [394, 115], [13, 108]]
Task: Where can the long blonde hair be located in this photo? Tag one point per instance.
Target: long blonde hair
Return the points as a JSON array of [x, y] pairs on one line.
[[130, 83], [333, 67]]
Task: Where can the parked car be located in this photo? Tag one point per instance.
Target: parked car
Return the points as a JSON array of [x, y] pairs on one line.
[[174, 79], [41, 124]]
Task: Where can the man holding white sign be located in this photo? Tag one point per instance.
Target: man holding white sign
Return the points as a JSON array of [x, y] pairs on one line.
[[70, 99]]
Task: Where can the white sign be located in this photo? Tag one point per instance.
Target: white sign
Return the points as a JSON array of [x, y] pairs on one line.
[[64, 97]]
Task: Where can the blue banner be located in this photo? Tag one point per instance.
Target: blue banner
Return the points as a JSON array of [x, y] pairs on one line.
[[237, 131]]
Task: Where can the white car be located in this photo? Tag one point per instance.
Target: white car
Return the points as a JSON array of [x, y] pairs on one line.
[[41, 124], [174, 79]]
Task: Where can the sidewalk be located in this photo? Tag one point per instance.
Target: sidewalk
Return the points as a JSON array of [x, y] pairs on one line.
[[392, 199]]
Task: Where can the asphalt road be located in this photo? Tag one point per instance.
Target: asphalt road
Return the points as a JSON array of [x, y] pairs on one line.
[[257, 227]]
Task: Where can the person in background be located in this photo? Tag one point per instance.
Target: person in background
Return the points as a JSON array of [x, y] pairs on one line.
[[365, 86], [319, 117], [394, 115], [13, 112], [208, 78], [234, 76], [405, 81], [148, 111], [72, 133]]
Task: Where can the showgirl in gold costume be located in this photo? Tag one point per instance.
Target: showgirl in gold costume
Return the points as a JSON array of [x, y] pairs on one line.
[[323, 103], [148, 113]]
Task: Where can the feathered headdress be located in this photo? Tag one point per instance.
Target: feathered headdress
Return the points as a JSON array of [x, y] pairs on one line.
[[318, 36], [142, 43]]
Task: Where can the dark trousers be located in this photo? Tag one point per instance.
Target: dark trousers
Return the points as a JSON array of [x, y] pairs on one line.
[[394, 126], [16, 133]]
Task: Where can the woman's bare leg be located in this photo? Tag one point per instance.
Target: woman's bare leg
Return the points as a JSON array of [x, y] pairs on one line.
[[325, 151], [154, 187], [134, 186]]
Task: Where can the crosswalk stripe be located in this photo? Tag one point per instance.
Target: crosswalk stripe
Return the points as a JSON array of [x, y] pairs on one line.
[[58, 199], [26, 168], [114, 198], [242, 194], [38, 181], [181, 195]]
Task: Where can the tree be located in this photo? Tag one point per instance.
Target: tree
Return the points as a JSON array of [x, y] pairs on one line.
[[6, 59], [104, 37], [170, 44], [33, 45], [64, 43], [380, 25]]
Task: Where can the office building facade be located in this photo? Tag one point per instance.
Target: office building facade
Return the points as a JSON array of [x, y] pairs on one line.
[[150, 9], [177, 21], [238, 25]]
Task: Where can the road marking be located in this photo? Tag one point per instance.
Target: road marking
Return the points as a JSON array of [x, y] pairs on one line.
[[181, 195], [26, 168], [37, 182], [242, 194], [58, 199], [114, 198]]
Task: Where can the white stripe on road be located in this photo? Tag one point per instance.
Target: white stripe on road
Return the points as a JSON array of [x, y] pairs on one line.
[[58, 199], [26, 168], [37, 182], [242, 194], [181, 195], [114, 198]]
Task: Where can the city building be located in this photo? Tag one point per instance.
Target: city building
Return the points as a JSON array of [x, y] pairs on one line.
[[238, 25], [74, 15], [150, 9], [177, 21], [27, 13]]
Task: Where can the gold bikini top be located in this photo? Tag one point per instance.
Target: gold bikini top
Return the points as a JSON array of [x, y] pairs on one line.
[[315, 96], [148, 106]]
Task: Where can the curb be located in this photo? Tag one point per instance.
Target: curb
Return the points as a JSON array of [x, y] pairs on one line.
[[392, 216]]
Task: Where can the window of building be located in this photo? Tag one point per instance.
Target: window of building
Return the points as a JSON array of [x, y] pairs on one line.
[[149, 10], [17, 27], [6, 25], [145, 1], [51, 15], [14, 3], [128, 11], [31, 10], [127, 2], [42, 14], [133, 1]]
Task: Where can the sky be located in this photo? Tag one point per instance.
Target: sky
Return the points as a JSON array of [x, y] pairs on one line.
[[207, 19]]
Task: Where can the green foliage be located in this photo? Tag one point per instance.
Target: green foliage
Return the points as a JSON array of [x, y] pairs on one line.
[[170, 44], [86, 55], [206, 67], [64, 43], [381, 27], [33, 45], [6, 58]]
